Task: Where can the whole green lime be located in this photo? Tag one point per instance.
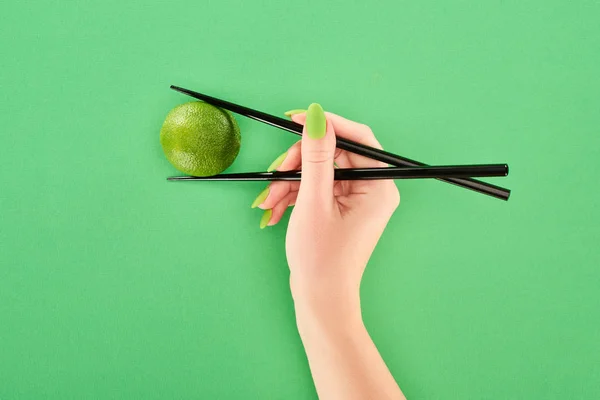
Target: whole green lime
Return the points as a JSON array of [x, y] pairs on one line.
[[200, 139]]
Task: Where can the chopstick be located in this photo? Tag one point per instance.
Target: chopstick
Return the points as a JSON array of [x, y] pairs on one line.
[[354, 174], [348, 145]]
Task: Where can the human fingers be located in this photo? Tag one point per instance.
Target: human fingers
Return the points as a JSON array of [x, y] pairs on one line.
[[273, 216]]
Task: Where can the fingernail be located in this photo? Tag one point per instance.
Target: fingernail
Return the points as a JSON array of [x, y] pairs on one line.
[[335, 165], [294, 112], [266, 217], [260, 198], [316, 125], [278, 161]]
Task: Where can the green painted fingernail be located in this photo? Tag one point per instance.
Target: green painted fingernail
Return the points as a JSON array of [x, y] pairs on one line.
[[316, 125], [260, 198], [264, 221], [278, 161], [294, 112]]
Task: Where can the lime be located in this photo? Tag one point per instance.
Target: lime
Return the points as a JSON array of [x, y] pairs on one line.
[[200, 139]]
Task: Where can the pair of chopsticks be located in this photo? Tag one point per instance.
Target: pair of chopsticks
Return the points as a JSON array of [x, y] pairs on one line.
[[405, 168]]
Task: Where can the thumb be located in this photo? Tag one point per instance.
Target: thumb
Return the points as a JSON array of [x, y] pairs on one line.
[[318, 150]]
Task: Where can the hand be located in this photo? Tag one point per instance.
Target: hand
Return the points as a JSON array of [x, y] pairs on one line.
[[334, 226], [332, 232]]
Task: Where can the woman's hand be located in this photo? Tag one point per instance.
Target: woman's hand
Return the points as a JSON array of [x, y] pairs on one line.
[[332, 232], [334, 226]]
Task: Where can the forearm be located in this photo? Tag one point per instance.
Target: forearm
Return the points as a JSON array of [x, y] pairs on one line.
[[344, 361]]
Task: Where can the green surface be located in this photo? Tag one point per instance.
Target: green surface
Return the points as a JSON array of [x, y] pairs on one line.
[[115, 284]]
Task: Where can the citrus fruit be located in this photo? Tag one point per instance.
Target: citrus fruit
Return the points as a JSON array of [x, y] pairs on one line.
[[200, 139]]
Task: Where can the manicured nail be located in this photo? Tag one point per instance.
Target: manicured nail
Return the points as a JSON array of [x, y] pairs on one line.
[[294, 112], [260, 198], [335, 165], [278, 161], [316, 125], [264, 221]]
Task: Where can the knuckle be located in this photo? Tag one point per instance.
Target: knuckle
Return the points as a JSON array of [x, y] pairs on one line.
[[393, 196], [318, 157], [366, 129], [396, 200]]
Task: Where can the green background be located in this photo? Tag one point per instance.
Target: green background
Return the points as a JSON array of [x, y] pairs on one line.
[[117, 284]]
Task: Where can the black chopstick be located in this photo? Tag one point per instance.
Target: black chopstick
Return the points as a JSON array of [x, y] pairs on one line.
[[348, 145], [355, 174]]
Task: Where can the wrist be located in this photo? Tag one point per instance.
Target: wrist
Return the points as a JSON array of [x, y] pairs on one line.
[[325, 307]]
